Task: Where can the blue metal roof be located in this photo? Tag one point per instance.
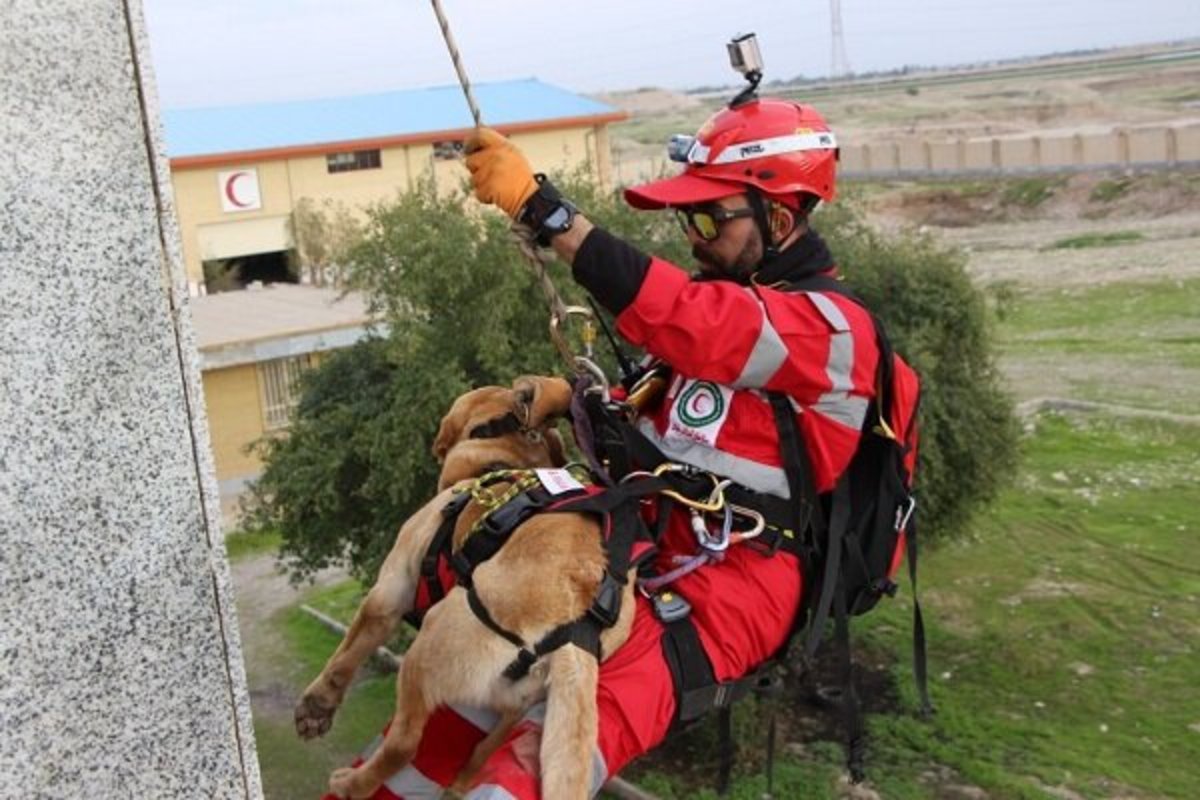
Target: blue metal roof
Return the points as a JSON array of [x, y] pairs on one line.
[[209, 131]]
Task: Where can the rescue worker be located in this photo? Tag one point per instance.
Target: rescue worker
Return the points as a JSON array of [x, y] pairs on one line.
[[730, 334]]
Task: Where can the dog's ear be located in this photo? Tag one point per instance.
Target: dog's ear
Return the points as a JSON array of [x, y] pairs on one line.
[[554, 442], [537, 399], [448, 433]]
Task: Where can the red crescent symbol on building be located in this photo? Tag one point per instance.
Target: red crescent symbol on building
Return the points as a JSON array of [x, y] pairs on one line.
[[231, 191]]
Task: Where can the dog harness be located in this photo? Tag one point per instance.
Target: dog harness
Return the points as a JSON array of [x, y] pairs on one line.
[[523, 493]]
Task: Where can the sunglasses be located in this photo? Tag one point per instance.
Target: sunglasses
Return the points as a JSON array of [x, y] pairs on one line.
[[706, 222]]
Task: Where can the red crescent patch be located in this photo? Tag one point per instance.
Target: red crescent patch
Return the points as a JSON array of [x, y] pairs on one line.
[[231, 192]]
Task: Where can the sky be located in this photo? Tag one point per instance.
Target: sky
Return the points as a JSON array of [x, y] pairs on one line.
[[231, 52]]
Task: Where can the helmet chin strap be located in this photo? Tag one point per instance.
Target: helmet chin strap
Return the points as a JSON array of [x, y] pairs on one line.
[[758, 205]]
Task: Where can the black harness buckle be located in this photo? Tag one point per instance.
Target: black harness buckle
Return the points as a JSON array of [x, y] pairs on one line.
[[606, 608], [505, 519]]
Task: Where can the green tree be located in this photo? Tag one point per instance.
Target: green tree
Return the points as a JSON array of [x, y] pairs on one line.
[[461, 309], [324, 233], [939, 322]]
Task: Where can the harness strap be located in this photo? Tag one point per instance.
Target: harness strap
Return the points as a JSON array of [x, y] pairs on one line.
[[583, 633], [494, 529], [725, 749], [619, 508], [439, 549], [920, 668], [495, 428], [697, 690], [856, 735]]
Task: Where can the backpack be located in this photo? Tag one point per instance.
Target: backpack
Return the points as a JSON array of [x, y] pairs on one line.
[[859, 533]]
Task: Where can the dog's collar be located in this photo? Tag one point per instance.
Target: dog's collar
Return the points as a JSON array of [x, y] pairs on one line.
[[495, 428]]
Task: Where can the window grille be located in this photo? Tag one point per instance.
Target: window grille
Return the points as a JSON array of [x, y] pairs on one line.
[[348, 162], [450, 150], [277, 381]]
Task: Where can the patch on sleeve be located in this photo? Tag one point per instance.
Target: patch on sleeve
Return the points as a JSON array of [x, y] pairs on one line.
[[699, 412]]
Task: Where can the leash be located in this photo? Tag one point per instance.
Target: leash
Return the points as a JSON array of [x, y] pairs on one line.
[[538, 260]]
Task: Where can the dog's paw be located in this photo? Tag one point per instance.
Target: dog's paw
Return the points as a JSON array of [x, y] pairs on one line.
[[313, 718], [348, 783], [340, 781]]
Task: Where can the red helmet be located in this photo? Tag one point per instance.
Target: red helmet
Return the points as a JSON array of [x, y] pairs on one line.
[[779, 147]]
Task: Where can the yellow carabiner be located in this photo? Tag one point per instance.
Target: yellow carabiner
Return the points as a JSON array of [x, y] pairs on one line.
[[710, 507]]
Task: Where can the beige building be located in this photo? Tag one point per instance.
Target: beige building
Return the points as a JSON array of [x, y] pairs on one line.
[[238, 175], [253, 344]]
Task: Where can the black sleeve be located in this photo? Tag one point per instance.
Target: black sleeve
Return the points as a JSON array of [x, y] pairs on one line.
[[611, 269]]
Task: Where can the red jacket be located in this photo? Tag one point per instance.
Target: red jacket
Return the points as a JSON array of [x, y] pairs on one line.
[[727, 342]]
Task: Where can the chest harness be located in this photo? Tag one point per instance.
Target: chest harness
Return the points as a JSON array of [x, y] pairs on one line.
[[510, 497], [847, 541]]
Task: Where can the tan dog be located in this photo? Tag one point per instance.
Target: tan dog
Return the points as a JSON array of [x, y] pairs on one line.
[[548, 573]]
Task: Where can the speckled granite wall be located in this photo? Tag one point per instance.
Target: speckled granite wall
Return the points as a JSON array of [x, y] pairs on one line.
[[120, 664]]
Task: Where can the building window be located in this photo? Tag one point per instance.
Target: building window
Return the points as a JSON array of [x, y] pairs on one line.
[[448, 150], [277, 382], [348, 162]]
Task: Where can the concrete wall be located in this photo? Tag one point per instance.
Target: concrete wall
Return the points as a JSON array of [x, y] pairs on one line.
[[912, 156], [1150, 146], [120, 663]]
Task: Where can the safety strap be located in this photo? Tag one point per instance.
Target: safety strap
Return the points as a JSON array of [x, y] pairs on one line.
[[494, 529], [697, 690], [831, 584], [856, 737], [618, 507], [495, 428], [920, 668], [437, 553]]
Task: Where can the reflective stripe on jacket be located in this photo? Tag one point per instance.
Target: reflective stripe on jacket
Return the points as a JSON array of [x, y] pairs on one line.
[[727, 343]]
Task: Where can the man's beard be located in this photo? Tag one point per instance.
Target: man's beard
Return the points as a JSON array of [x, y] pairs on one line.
[[741, 268]]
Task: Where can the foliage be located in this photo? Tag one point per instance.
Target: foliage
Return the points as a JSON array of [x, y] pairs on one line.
[[324, 233], [1108, 190], [939, 322], [243, 544], [222, 276], [462, 310], [1029, 192]]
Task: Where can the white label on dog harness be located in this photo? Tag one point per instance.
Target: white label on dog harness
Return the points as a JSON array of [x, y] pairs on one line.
[[699, 412], [557, 481]]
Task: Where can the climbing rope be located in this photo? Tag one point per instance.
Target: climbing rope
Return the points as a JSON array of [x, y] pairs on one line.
[[537, 259]]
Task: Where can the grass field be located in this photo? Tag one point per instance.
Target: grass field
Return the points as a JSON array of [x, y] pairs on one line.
[[1133, 344], [293, 768], [1063, 626], [1062, 646], [1062, 635]]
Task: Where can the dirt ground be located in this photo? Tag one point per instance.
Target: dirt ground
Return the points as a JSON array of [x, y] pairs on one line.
[[262, 592], [1090, 94]]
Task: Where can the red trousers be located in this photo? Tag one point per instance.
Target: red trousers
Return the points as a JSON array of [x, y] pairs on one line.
[[742, 608]]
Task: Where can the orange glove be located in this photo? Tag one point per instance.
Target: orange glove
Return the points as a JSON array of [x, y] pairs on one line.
[[500, 172]]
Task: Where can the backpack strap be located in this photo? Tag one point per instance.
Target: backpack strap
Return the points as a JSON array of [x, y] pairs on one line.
[[839, 544]]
